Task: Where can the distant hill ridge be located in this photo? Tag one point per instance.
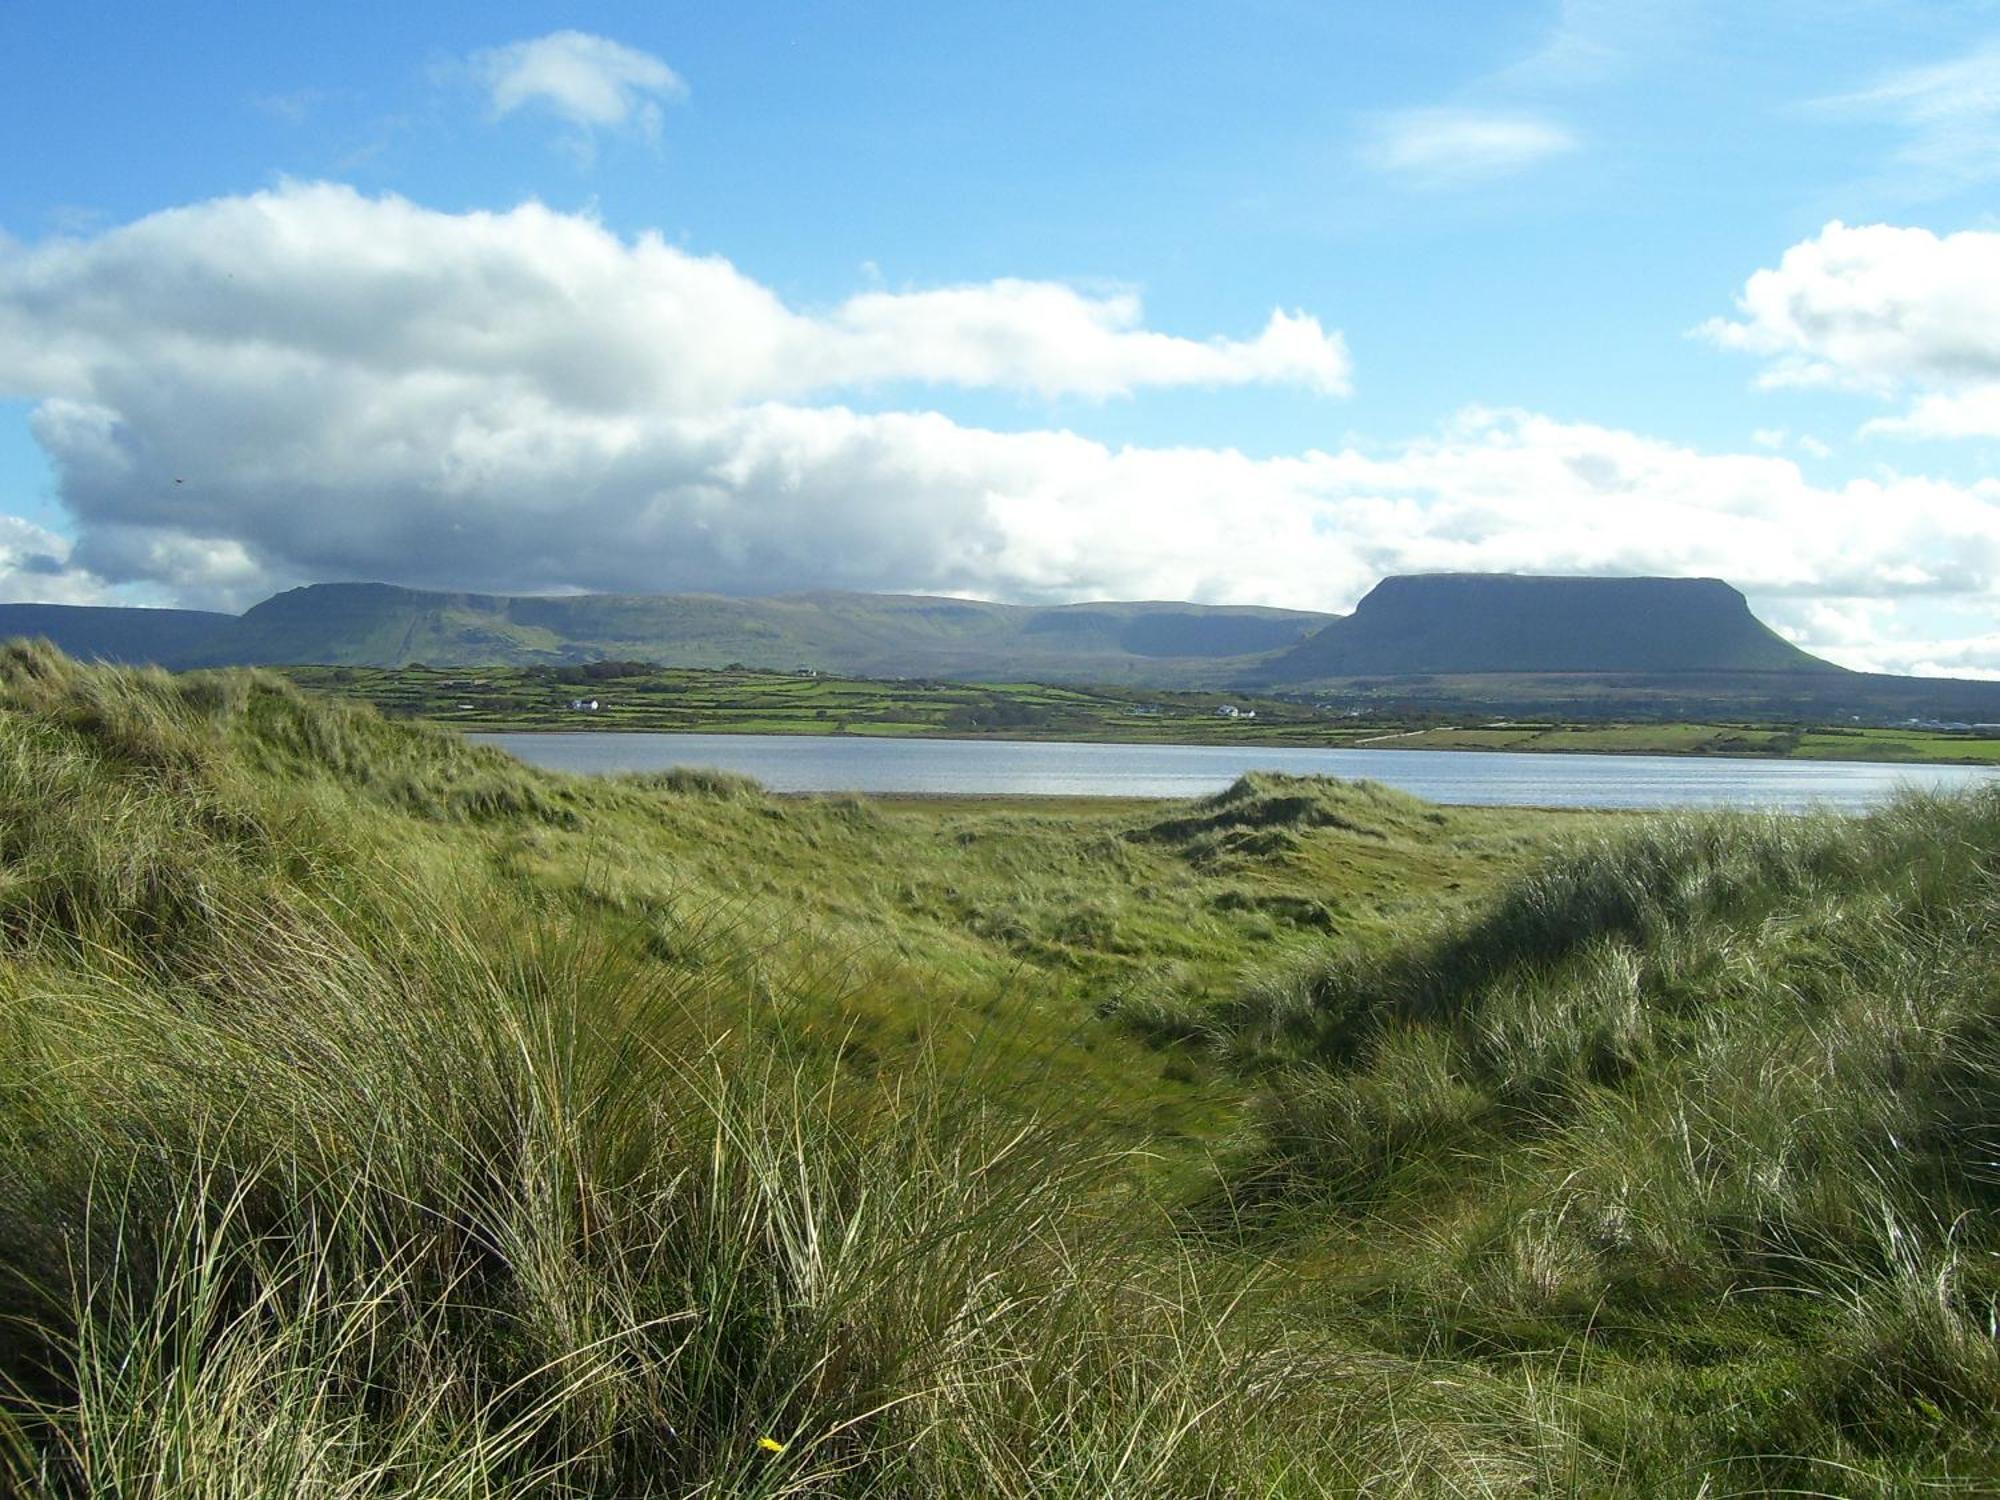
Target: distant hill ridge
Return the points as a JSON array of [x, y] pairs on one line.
[[92, 632], [893, 635], [889, 635], [1454, 642]]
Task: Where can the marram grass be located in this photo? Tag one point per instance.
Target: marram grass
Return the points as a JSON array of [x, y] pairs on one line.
[[379, 1117]]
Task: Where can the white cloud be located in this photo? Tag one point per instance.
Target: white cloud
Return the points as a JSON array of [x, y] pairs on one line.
[[1949, 113], [590, 81], [1893, 311], [334, 385], [1591, 41], [1873, 635], [313, 384], [1967, 414], [1777, 439], [1456, 147], [1049, 338], [317, 283], [35, 567], [1975, 656]]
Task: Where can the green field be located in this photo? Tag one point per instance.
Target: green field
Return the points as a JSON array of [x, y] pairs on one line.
[[635, 696], [742, 701], [379, 1116], [1762, 741]]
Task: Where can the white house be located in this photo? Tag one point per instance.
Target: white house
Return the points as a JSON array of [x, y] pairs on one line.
[[1229, 711]]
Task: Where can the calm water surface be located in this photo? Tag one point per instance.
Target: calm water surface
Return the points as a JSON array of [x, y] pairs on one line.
[[809, 763]]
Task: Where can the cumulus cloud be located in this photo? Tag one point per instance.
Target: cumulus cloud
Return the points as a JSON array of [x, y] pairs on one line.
[[1970, 656], [1455, 147], [1889, 310], [312, 384], [317, 283], [1874, 635], [35, 567], [1973, 413], [277, 385], [590, 81]]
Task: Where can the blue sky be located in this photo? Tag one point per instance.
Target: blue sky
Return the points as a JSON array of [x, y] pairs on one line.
[[980, 300]]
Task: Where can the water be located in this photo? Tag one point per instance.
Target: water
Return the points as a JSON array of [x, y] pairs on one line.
[[809, 763]]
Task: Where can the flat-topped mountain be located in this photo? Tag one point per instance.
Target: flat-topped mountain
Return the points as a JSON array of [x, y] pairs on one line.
[[1456, 623]]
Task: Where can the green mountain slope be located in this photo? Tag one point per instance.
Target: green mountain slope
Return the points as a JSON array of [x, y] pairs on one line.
[[1502, 622], [859, 634]]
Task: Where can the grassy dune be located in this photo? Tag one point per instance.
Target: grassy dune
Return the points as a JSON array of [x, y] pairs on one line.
[[380, 1117]]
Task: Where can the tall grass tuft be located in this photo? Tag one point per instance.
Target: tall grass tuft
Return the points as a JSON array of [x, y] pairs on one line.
[[1723, 1082]]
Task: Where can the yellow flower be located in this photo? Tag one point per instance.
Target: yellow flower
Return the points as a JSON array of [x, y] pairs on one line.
[[770, 1445]]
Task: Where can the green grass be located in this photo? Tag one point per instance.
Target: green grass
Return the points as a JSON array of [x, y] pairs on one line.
[[1760, 741], [1727, 1091], [381, 1117], [636, 696]]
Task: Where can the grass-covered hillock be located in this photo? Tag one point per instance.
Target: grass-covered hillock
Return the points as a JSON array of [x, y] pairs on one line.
[[328, 1168], [1713, 1106], [381, 1117], [1266, 811]]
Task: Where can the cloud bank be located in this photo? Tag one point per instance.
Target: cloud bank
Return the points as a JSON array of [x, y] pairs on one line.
[[314, 384]]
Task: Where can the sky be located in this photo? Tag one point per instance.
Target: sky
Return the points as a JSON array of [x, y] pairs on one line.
[[1246, 302]]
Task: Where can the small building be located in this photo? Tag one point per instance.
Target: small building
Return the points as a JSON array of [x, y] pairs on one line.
[[583, 705], [1229, 711], [1146, 710]]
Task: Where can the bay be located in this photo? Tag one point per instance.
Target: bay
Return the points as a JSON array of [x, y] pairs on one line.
[[840, 763]]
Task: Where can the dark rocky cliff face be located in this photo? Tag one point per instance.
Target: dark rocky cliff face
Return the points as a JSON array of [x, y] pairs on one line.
[[1503, 622]]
